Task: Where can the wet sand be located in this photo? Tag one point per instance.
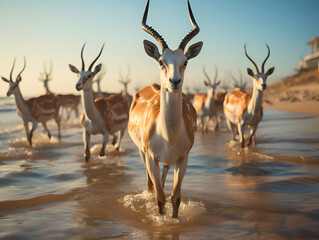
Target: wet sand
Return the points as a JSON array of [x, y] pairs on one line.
[[270, 191]]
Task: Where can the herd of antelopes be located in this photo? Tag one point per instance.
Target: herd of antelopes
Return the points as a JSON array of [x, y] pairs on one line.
[[161, 119]]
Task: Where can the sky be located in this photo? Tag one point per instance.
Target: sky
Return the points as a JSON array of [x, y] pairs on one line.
[[55, 31]]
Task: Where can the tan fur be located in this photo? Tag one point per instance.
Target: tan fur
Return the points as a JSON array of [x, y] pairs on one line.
[[239, 98], [39, 104], [146, 107], [111, 107], [69, 100], [199, 100]]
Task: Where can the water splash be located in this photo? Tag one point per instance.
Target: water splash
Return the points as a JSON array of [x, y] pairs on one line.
[[144, 205], [37, 141], [108, 149]]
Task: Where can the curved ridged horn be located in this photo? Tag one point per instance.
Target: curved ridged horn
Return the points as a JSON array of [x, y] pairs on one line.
[[22, 68], [96, 58], [14, 62], [206, 75], [251, 59], [192, 33], [262, 67], [83, 66], [152, 31]]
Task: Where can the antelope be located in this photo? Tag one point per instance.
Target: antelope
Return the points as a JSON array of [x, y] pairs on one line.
[[34, 110], [68, 102], [241, 84], [218, 103], [105, 116], [204, 103], [125, 81], [45, 77], [162, 120], [241, 109]]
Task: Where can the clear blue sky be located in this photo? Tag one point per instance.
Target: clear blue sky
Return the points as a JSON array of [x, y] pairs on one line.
[[56, 30]]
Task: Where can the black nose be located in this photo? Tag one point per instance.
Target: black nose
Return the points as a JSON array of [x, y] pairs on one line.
[[264, 86], [175, 82], [78, 86]]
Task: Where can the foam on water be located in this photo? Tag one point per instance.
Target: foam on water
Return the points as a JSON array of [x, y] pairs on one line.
[[108, 149], [12, 152], [144, 205], [37, 141]]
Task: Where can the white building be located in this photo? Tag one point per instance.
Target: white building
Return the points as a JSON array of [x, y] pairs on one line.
[[312, 60]]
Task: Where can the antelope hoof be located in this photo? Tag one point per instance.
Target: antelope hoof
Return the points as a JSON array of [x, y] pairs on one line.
[[175, 205], [87, 156], [161, 205], [102, 153], [49, 135]]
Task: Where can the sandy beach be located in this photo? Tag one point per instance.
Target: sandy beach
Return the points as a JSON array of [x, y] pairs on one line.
[[298, 93]]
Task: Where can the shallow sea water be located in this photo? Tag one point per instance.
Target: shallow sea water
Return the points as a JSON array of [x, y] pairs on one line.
[[266, 192]]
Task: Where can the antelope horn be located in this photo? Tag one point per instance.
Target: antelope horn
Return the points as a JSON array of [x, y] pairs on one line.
[[51, 67], [251, 59], [206, 75], [152, 31], [96, 58], [192, 33], [83, 66], [22, 68], [14, 62], [262, 67]]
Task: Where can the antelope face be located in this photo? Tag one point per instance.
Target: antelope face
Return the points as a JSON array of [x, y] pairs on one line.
[[13, 88], [259, 79], [86, 77], [172, 64]]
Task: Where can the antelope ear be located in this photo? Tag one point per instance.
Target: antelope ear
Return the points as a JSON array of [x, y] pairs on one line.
[[270, 71], [19, 78], [193, 50], [4, 79], [250, 72], [74, 69], [151, 50], [97, 68], [216, 84], [206, 83]]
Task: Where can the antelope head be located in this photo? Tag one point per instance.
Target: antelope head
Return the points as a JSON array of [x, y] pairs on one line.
[[14, 86], [211, 86], [46, 76], [172, 64], [259, 78], [241, 84], [86, 77], [125, 80]]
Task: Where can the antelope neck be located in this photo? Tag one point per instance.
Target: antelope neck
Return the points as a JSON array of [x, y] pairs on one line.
[[88, 104], [170, 111], [256, 100], [20, 102]]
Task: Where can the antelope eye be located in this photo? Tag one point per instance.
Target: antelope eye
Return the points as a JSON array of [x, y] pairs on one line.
[[160, 62], [89, 76]]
